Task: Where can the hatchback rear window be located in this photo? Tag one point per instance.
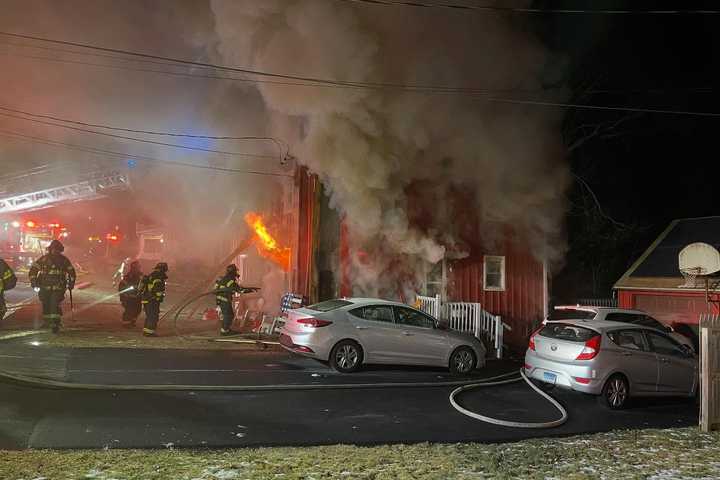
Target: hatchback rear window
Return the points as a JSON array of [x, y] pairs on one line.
[[571, 315], [328, 305], [565, 331]]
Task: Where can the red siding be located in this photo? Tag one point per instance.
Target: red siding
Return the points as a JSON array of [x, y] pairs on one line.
[[668, 306], [307, 185], [520, 304]]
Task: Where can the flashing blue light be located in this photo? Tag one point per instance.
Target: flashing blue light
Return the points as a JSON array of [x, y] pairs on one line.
[[132, 163]]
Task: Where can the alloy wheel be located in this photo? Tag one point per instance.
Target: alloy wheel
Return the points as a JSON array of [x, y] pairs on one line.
[[463, 361], [616, 392], [347, 357]]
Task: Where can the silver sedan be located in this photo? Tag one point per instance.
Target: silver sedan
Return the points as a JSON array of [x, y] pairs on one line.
[[351, 331], [611, 359]]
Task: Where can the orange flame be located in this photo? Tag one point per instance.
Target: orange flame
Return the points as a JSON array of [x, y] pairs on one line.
[[266, 245]]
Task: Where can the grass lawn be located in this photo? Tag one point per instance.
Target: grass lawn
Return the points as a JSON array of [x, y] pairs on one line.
[[646, 454]]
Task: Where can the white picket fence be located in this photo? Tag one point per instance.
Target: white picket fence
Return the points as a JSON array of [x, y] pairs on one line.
[[467, 317]]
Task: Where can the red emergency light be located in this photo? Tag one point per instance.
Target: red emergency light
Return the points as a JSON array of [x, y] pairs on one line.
[[30, 224], [112, 236]]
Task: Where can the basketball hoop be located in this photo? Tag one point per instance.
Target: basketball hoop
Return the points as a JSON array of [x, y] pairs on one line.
[[691, 278], [696, 262]]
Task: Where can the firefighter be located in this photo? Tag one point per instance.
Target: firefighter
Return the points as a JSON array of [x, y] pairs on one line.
[[50, 276], [8, 280], [152, 290], [225, 287], [120, 272], [129, 288]]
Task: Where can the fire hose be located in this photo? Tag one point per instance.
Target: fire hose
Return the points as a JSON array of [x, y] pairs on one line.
[[508, 423], [192, 300], [461, 385]]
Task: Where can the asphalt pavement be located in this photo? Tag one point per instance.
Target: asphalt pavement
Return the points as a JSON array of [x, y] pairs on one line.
[[32, 417]]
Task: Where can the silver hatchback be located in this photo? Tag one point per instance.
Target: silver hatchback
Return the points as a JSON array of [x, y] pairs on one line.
[[351, 331], [612, 359]]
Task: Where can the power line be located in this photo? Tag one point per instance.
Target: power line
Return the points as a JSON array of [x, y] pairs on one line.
[[314, 80], [134, 139], [410, 88], [518, 10], [236, 79], [603, 107], [127, 156], [281, 144]]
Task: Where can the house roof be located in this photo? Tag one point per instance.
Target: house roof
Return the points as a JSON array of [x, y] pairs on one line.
[[657, 268]]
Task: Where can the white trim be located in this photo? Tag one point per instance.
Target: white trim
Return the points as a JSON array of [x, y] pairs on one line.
[[661, 289], [546, 293], [501, 288]]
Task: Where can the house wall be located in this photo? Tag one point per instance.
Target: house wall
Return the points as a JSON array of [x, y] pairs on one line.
[[521, 304], [668, 306]]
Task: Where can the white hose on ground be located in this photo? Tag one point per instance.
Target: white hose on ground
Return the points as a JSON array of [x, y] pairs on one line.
[[508, 423]]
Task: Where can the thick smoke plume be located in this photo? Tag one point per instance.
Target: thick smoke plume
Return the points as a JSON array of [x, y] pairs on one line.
[[372, 147], [202, 208]]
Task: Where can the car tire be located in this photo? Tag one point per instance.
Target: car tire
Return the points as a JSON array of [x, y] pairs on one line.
[[462, 361], [615, 392], [346, 356]]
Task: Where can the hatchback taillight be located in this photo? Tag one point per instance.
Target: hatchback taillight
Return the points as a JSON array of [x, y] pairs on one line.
[[531, 344], [313, 322], [591, 348]]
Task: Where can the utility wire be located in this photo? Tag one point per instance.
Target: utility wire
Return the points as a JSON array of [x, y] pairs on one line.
[[314, 80], [485, 94], [516, 10], [134, 139], [279, 143], [236, 79], [126, 156]]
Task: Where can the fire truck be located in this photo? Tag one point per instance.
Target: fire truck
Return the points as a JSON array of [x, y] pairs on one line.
[[22, 241]]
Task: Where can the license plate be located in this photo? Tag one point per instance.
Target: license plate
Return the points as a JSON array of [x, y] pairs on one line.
[[549, 377]]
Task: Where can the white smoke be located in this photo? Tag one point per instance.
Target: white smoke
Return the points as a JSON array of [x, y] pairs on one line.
[[370, 147]]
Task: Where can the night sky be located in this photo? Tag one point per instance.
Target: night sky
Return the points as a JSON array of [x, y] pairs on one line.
[[651, 168]]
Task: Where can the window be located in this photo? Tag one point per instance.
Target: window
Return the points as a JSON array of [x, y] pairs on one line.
[[494, 268], [571, 314], [328, 305], [630, 339], [622, 317], [665, 346], [413, 318], [564, 331], [435, 280], [375, 313], [652, 323], [636, 319]]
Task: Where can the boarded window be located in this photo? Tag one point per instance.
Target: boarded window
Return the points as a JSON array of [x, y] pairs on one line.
[[494, 268]]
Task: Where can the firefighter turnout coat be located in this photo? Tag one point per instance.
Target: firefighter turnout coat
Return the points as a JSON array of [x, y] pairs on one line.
[[152, 287], [52, 272], [227, 286]]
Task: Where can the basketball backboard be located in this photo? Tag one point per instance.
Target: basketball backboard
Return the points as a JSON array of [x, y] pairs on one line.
[[699, 259]]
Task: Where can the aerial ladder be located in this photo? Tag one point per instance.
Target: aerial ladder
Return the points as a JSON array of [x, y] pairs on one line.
[[95, 186]]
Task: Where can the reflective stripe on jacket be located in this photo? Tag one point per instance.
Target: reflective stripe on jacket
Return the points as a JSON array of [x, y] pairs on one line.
[[52, 272]]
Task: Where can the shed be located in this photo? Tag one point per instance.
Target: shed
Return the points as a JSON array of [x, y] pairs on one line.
[[654, 282]]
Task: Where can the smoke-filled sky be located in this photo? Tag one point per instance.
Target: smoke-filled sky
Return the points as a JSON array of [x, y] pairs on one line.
[[369, 146]]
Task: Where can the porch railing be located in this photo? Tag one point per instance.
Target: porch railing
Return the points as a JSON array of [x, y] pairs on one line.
[[467, 317]]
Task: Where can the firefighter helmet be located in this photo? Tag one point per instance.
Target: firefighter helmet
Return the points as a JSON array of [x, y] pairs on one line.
[[56, 246], [162, 266], [232, 270]]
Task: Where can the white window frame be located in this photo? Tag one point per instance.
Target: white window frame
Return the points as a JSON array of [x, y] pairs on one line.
[[491, 288], [443, 283]]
